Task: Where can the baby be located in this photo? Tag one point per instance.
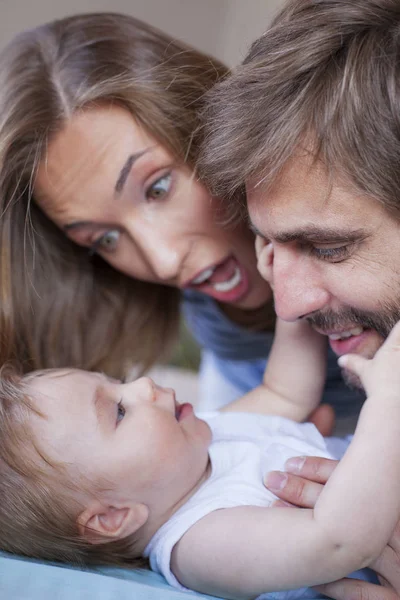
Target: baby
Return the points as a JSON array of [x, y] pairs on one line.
[[93, 470]]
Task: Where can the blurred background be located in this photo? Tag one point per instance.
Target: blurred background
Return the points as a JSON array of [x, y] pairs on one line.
[[222, 28]]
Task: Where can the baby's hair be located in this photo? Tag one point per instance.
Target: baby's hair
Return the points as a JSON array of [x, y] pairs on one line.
[[39, 502]]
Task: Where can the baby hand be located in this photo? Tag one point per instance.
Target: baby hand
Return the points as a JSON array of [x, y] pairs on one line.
[[380, 376], [265, 259]]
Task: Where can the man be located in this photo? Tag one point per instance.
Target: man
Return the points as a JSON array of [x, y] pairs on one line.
[[311, 123]]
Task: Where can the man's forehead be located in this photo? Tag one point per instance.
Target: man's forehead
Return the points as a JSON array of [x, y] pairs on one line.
[[298, 217], [304, 203]]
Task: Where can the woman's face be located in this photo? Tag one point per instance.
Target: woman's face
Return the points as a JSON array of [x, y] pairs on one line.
[[114, 189]]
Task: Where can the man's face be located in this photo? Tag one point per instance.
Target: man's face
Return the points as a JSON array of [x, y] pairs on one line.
[[336, 256]]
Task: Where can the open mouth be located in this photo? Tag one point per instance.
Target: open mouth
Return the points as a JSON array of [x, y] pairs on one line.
[[351, 340], [183, 410], [344, 335], [226, 281]]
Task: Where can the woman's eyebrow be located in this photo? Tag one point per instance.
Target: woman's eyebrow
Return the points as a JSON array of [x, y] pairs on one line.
[[126, 169], [119, 186]]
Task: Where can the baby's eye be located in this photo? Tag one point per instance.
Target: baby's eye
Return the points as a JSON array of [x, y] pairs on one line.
[[108, 242], [159, 188], [120, 411]]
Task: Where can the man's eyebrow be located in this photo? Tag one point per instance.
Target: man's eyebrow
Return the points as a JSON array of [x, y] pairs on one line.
[[126, 169], [313, 233]]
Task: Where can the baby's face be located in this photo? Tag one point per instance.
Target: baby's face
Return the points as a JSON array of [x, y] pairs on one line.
[[134, 437]]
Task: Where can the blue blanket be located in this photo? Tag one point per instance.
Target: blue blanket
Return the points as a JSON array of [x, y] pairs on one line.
[[25, 579]]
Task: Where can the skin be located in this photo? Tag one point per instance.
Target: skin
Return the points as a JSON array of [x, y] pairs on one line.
[[147, 216], [335, 255], [150, 455], [126, 435], [303, 482], [351, 276]]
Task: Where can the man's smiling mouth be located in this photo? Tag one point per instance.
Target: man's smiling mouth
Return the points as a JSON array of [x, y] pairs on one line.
[[342, 335]]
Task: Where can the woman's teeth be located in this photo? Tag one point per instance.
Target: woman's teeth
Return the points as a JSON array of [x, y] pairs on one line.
[[227, 286], [203, 276], [219, 286], [346, 334]]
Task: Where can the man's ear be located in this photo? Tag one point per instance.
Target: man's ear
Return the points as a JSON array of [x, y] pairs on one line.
[[99, 523]]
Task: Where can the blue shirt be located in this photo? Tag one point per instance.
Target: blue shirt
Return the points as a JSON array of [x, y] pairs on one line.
[[241, 354]]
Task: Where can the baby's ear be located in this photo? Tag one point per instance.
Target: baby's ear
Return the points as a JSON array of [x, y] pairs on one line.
[[99, 523]]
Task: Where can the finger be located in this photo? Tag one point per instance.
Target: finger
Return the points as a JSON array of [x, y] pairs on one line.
[[353, 362], [282, 504], [265, 257], [393, 339], [259, 244], [353, 589], [387, 565], [312, 468], [293, 489], [323, 418], [395, 540]]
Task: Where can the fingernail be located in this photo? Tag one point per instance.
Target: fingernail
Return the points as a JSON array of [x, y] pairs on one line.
[[275, 480], [295, 465]]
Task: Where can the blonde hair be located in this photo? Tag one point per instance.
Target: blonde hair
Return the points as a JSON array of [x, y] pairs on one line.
[[325, 75], [58, 307], [38, 497]]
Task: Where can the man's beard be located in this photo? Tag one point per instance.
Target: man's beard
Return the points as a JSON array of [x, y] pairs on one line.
[[382, 322]]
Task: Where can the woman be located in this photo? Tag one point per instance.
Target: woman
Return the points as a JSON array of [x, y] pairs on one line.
[[105, 225]]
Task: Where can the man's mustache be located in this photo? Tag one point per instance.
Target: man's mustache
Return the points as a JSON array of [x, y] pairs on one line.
[[382, 321]]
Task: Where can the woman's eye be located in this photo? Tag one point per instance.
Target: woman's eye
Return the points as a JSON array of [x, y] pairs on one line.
[[120, 411], [159, 188], [108, 242]]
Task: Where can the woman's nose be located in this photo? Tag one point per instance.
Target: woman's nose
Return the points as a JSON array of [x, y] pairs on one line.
[[161, 250], [164, 259]]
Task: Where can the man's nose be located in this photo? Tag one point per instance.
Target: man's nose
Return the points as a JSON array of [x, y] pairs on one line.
[[298, 287]]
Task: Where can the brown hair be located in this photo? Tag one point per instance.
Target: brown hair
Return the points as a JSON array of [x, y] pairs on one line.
[[326, 74], [38, 497], [58, 307]]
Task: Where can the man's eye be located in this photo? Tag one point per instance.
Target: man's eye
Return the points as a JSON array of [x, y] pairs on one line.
[[108, 242], [332, 254], [159, 188], [120, 411]]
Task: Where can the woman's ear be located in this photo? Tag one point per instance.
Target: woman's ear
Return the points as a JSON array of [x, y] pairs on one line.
[[99, 523]]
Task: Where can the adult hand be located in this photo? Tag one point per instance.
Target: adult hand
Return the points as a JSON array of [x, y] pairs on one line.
[[301, 485], [303, 480]]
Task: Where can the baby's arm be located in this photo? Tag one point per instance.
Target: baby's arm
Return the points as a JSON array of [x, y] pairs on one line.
[[294, 377], [242, 552]]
